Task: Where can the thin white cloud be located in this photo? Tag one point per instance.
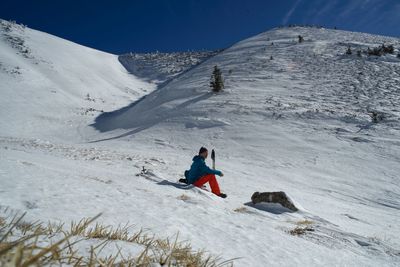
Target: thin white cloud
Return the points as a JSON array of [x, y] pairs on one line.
[[290, 12]]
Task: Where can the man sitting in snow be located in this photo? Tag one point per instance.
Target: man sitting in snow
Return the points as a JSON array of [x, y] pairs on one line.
[[200, 173]]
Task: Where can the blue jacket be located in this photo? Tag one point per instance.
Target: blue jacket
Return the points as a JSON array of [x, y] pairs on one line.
[[199, 169]]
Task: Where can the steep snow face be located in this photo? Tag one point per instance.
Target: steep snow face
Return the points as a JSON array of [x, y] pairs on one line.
[[297, 123], [48, 84], [273, 76]]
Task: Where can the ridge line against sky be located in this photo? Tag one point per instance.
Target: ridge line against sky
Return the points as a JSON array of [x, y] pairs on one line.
[[173, 25]]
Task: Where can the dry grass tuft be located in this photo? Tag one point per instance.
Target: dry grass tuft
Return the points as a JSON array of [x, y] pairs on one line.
[[241, 210], [297, 231], [184, 197], [25, 244], [302, 227], [304, 222], [120, 233]]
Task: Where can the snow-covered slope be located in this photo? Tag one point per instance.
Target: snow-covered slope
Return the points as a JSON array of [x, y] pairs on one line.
[[48, 84], [314, 79], [298, 123]]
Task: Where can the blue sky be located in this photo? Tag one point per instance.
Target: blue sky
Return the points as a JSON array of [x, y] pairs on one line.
[[179, 25]]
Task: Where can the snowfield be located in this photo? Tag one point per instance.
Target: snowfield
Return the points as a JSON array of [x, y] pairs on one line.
[[76, 131]]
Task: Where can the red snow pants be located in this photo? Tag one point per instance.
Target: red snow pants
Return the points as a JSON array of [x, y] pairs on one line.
[[210, 178]]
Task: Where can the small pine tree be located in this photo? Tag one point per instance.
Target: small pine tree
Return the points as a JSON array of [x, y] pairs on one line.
[[271, 58], [301, 39], [348, 52], [217, 83]]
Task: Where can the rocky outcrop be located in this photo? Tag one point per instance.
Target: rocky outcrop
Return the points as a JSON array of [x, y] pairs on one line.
[[274, 197]]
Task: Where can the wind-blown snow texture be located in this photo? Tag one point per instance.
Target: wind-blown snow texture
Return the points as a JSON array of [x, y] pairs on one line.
[[298, 123]]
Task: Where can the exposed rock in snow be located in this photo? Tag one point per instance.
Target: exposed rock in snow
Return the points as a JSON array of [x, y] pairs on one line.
[[274, 197]]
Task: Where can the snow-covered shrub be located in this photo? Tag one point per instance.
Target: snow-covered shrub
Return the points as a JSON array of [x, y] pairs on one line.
[[217, 82], [6, 26], [373, 52], [19, 44], [376, 116], [9, 26], [376, 51]]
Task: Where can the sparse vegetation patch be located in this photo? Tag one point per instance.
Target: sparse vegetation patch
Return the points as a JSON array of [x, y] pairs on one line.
[[25, 244]]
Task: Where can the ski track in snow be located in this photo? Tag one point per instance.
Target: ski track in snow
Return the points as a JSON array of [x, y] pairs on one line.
[[298, 123]]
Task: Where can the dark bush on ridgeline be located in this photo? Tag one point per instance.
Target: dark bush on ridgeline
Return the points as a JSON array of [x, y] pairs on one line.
[[380, 50], [376, 116], [348, 52], [376, 51], [217, 82], [388, 49]]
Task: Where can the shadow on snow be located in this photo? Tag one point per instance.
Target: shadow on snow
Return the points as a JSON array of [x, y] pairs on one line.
[[274, 208], [144, 116]]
